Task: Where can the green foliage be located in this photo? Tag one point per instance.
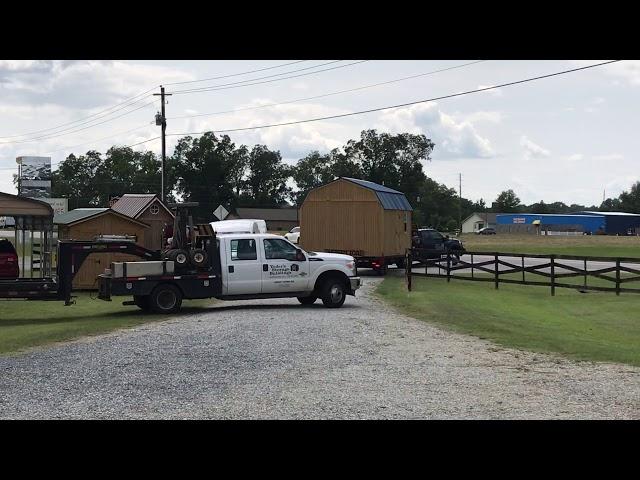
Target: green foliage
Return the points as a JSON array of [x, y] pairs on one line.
[[266, 182], [507, 202]]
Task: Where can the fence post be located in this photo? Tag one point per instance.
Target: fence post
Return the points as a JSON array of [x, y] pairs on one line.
[[495, 279], [408, 262], [448, 266], [523, 269], [472, 266], [617, 276], [585, 272], [553, 276]]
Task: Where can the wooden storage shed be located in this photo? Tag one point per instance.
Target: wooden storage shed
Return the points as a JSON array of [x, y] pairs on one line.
[[147, 208], [86, 224], [356, 217]]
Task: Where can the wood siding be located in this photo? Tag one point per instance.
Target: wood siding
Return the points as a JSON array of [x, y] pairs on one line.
[[108, 224], [153, 235], [344, 216]]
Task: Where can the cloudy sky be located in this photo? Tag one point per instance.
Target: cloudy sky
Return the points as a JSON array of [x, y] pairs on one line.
[[566, 138]]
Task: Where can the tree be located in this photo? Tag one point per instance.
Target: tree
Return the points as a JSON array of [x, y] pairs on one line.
[[207, 170], [311, 172], [76, 180], [266, 182], [630, 201], [390, 160], [611, 205], [507, 202]]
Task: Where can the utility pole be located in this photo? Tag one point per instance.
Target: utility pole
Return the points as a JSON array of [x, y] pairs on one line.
[[161, 120], [460, 202]]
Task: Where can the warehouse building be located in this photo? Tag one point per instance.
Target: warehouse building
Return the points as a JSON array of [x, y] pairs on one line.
[[549, 224], [618, 223], [587, 222]]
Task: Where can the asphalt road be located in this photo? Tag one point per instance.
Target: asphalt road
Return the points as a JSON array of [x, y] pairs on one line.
[[276, 359]]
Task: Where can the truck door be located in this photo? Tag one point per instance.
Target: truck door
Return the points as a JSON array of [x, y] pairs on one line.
[[281, 271], [243, 268]]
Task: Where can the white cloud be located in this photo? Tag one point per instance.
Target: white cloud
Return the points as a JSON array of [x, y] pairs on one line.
[[533, 150], [453, 139], [575, 157], [608, 157]]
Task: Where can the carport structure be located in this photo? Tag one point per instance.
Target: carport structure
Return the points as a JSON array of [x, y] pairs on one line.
[[36, 218]]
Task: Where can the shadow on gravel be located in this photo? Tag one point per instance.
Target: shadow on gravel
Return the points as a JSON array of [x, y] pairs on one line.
[[286, 306]]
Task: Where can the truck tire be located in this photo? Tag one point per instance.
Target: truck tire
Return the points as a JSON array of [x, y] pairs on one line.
[[334, 292], [180, 257], [142, 302], [382, 270], [165, 298], [307, 300], [198, 258], [400, 263]]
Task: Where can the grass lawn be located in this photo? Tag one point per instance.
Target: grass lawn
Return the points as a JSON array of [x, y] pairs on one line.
[[25, 324], [593, 245], [591, 326]]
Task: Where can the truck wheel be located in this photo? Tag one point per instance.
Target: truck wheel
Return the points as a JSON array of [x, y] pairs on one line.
[[198, 258], [333, 293], [142, 302], [382, 270], [307, 300], [400, 263], [165, 299]]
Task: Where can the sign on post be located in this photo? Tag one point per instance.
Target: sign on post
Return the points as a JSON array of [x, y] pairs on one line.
[[221, 212]]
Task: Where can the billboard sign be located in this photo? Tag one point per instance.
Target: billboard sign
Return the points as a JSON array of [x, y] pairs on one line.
[[34, 177], [59, 205]]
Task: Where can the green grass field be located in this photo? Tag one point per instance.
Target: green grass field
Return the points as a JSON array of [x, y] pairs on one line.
[[587, 245], [587, 326], [25, 324]]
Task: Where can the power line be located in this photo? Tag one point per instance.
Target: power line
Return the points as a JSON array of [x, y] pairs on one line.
[[236, 74], [70, 131], [236, 84], [329, 94], [361, 112], [128, 101]]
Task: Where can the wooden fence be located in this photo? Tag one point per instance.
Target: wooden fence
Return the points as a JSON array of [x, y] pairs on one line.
[[467, 267]]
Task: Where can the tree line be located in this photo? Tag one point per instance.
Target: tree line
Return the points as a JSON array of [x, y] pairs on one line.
[[213, 170]]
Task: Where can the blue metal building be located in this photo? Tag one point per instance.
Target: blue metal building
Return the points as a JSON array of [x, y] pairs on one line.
[[618, 223], [589, 223]]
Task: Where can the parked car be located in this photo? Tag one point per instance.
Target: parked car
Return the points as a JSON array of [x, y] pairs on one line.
[[8, 260], [429, 244], [486, 231], [293, 235]]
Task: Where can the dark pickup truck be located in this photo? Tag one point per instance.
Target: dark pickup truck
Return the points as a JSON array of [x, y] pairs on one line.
[[429, 244]]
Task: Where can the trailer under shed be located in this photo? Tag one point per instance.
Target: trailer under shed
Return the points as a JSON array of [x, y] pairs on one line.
[[356, 217]]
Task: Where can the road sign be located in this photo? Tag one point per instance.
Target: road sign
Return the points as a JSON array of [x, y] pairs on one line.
[[221, 212]]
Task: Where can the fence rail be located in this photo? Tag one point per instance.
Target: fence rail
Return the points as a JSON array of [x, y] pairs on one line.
[[464, 266]]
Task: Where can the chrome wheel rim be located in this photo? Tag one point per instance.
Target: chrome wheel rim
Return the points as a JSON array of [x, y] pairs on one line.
[[198, 258], [181, 258]]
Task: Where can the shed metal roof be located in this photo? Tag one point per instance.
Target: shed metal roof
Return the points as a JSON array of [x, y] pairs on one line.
[[134, 204], [389, 198], [82, 214]]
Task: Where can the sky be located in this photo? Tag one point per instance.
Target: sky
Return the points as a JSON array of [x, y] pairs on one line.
[[569, 138]]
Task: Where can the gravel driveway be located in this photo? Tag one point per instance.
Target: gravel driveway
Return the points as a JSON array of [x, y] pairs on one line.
[[278, 359]]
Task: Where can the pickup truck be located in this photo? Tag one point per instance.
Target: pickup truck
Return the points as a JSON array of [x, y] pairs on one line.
[[239, 266]]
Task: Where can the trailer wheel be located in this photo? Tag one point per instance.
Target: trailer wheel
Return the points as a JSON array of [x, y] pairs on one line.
[[333, 293], [165, 298], [142, 302], [198, 257], [307, 300]]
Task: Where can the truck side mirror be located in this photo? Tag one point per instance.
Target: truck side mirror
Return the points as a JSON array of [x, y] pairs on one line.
[[300, 256]]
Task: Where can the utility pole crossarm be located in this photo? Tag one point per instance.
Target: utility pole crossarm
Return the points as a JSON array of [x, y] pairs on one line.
[[163, 123]]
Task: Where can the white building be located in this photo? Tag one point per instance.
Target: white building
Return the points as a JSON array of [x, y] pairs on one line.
[[478, 220]]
